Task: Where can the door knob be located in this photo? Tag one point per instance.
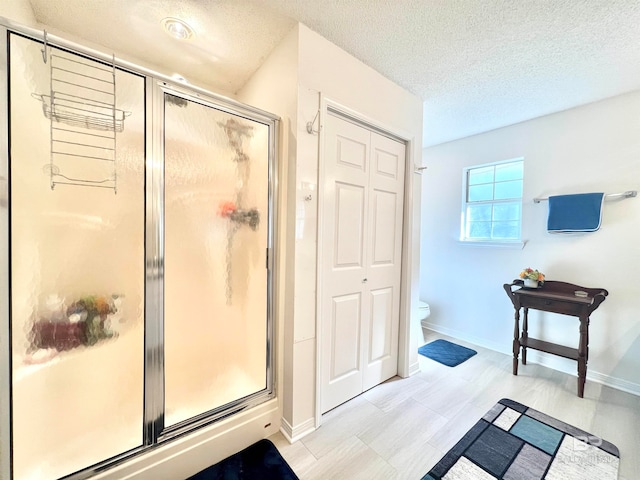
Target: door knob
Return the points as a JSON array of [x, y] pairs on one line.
[[364, 280]]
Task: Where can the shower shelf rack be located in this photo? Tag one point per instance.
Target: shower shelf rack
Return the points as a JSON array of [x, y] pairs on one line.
[[83, 122], [64, 108]]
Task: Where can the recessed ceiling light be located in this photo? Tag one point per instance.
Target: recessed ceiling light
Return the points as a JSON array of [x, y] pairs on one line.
[[177, 28]]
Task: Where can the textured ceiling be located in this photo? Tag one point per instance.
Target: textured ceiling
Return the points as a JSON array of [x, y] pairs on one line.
[[477, 64]]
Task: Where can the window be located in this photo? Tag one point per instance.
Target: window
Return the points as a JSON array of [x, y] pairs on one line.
[[492, 202]]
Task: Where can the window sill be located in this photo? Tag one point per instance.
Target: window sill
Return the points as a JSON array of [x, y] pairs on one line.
[[517, 245]]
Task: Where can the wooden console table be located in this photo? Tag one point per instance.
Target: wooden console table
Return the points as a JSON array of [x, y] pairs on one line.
[[555, 297]]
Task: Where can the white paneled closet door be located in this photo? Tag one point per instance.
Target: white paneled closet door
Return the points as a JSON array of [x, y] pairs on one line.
[[361, 266]]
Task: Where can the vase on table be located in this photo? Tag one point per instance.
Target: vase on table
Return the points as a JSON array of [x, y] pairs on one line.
[[530, 283]]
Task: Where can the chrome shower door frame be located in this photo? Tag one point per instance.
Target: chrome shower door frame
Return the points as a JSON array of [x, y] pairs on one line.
[[156, 85], [5, 326], [155, 427]]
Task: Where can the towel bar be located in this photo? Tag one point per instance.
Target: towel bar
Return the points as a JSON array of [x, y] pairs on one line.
[[609, 196]]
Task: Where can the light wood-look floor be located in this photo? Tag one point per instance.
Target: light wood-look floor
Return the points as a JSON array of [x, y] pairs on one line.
[[401, 428]]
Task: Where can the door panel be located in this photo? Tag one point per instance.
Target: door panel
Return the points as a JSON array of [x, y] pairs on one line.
[[362, 241], [345, 226], [381, 323], [388, 163], [349, 225], [345, 332], [352, 152], [77, 263], [384, 209], [216, 237], [384, 259]]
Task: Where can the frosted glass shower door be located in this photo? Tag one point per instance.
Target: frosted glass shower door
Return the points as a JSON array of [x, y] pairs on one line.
[[216, 238], [77, 261]]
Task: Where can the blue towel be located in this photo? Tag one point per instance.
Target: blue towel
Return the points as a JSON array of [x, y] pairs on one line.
[[575, 213]]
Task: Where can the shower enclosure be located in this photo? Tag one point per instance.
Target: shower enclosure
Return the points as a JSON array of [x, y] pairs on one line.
[[137, 231]]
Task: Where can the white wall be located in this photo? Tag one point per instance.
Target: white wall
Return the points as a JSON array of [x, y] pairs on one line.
[[19, 11], [323, 67], [591, 148], [274, 88]]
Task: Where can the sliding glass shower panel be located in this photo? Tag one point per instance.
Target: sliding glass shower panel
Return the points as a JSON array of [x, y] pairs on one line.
[[77, 260], [216, 232]]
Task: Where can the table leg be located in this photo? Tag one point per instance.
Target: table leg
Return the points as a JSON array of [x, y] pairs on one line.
[[516, 341], [583, 354], [525, 334]]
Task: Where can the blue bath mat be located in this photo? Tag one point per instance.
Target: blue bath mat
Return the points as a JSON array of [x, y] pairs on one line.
[[260, 461], [447, 353]]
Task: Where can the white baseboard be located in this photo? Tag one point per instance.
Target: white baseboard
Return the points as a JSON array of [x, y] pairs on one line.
[[293, 434], [481, 342], [614, 382], [414, 368], [541, 358], [570, 367]]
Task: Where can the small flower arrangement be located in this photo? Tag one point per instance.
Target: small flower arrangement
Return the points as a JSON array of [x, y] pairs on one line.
[[531, 274]]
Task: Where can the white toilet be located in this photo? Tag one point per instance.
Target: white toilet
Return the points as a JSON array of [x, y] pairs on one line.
[[424, 311]]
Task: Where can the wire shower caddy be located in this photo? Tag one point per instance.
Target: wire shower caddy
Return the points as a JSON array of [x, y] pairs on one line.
[[84, 121]]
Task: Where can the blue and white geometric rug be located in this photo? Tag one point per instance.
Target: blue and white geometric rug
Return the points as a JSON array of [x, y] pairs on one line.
[[515, 442]]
